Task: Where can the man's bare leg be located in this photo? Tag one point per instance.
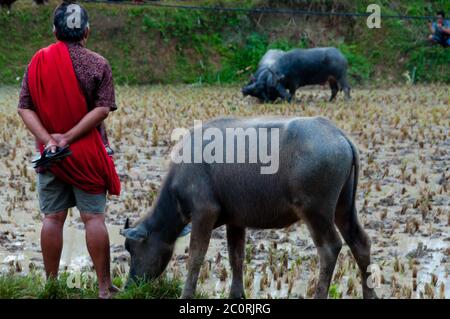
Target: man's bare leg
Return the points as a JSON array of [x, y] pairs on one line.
[[52, 241], [97, 241]]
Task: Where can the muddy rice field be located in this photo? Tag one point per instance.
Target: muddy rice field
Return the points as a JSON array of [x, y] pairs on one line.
[[403, 196]]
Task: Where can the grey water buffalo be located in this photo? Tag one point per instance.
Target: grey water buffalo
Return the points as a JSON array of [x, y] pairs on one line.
[[257, 86], [315, 181]]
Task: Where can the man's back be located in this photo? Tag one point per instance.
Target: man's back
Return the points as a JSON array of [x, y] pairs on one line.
[[95, 80]]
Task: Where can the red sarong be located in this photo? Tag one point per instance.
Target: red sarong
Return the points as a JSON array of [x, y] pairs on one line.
[[60, 105]]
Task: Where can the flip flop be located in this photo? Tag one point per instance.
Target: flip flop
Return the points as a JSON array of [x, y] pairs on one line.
[[48, 158]]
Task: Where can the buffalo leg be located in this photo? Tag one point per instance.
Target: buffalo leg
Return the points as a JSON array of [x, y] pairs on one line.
[[354, 235], [236, 252], [359, 243], [328, 244], [334, 88], [292, 93], [283, 93], [265, 98], [345, 87], [202, 226]]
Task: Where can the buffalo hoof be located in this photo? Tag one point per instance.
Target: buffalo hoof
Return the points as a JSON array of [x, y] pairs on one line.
[[185, 295], [237, 296], [370, 295]]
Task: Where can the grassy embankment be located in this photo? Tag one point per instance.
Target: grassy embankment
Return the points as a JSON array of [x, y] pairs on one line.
[[155, 45]]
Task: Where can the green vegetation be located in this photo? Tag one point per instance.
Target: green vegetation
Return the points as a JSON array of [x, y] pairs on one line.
[[14, 286], [334, 292], [157, 45], [160, 288], [33, 286]]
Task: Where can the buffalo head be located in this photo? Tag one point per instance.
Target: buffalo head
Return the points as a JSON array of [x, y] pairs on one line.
[[149, 254]]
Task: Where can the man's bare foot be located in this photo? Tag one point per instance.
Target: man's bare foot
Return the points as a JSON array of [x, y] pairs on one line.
[[110, 293]]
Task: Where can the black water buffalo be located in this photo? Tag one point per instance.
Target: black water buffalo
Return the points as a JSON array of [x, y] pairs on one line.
[[301, 67], [315, 181], [257, 86]]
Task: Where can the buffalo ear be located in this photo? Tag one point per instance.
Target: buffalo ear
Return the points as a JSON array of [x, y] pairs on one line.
[[135, 233], [127, 224]]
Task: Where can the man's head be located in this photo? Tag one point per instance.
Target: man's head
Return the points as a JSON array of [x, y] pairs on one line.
[[70, 22], [440, 16]]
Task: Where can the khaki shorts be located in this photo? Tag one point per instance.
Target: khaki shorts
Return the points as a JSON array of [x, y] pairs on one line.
[[56, 196]]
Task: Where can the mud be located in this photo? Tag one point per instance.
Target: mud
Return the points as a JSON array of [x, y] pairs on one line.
[[403, 198]]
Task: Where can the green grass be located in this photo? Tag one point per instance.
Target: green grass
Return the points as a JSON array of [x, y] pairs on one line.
[[14, 287], [160, 288], [334, 292], [33, 286]]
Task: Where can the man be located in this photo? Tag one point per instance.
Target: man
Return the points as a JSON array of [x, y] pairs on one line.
[[67, 92], [440, 30]]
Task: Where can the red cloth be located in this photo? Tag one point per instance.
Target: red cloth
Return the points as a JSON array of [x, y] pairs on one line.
[[60, 105]]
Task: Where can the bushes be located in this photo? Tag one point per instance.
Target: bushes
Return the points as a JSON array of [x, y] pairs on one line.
[[360, 69], [431, 64], [241, 59]]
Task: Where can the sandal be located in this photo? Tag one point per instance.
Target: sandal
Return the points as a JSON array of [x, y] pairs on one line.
[[48, 158]]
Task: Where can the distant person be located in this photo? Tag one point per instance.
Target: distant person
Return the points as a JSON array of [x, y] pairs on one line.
[[440, 30], [67, 92]]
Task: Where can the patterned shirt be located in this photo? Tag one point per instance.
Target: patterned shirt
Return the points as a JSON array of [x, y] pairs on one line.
[[94, 77]]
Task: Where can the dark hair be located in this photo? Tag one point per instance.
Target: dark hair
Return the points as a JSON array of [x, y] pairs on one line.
[[66, 25], [441, 13]]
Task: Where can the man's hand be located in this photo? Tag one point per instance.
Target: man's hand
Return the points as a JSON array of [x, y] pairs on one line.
[[51, 144], [60, 140], [87, 123]]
